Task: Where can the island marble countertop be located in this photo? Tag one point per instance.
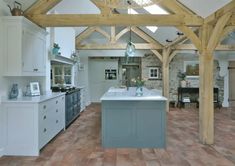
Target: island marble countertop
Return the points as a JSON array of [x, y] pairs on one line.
[[130, 94], [33, 99]]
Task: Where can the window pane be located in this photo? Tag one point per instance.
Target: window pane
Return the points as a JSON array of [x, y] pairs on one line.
[[67, 79], [58, 70], [67, 70]]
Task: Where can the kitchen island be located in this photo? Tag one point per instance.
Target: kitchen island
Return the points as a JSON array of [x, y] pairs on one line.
[[133, 121]]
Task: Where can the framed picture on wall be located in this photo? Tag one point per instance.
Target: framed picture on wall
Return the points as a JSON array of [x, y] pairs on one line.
[[34, 88], [191, 68]]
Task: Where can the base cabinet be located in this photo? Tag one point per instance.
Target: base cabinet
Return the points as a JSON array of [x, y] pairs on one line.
[[30, 126]]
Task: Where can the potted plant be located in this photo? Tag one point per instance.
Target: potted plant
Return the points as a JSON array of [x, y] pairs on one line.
[[182, 76], [55, 50], [139, 83]]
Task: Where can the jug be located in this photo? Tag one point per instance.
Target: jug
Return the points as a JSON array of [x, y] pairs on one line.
[[16, 11]]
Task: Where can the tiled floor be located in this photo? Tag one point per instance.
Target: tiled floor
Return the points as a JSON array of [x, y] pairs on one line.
[[80, 145]]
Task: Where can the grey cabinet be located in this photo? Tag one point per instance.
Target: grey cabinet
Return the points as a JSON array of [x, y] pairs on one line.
[[72, 106]]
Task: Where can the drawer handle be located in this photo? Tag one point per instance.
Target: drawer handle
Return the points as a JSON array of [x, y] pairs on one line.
[[57, 121], [56, 110], [56, 102], [35, 69], [44, 107], [45, 130], [44, 117]]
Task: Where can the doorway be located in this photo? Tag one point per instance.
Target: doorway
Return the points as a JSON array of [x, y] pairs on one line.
[[129, 72]]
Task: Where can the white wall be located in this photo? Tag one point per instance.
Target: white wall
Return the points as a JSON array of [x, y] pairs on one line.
[[3, 83], [65, 37]]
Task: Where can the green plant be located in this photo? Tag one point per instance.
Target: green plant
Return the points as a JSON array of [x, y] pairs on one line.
[[138, 81], [55, 45]]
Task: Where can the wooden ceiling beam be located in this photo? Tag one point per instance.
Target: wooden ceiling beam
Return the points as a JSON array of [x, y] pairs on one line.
[[227, 30], [217, 31], [83, 35], [158, 55], [104, 33], [104, 9], [216, 15], [41, 7], [191, 35], [220, 47], [75, 20], [145, 36], [116, 46]]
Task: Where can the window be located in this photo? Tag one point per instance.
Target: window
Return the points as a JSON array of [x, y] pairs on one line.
[[151, 28], [62, 74], [154, 73]]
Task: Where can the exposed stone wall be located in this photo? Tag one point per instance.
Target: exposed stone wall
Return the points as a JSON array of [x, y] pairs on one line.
[[150, 60], [177, 64]]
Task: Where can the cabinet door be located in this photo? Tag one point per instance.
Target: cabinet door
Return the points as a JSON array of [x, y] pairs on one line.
[[28, 44], [39, 54], [12, 48], [33, 49]]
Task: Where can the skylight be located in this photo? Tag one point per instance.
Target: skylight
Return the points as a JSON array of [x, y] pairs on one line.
[[154, 9], [151, 28]]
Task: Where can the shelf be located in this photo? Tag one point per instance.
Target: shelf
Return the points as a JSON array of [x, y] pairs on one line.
[[61, 60]]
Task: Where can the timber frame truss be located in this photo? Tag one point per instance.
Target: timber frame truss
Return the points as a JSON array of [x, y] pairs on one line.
[[205, 35]]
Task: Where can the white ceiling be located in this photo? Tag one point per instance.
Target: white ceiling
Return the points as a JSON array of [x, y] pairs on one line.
[[201, 7]]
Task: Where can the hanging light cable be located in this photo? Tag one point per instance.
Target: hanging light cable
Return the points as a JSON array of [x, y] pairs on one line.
[[130, 48]]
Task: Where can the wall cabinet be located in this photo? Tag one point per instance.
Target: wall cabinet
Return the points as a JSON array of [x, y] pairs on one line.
[[30, 126], [24, 49]]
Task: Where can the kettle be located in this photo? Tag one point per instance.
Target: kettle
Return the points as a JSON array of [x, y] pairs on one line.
[[16, 11]]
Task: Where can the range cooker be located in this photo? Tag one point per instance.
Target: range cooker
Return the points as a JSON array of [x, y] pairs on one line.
[[72, 103]]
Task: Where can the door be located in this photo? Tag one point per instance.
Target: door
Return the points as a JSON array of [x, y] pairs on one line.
[[129, 72], [98, 81], [232, 83]]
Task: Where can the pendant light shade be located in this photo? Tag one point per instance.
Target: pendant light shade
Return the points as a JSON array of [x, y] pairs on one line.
[[130, 49]]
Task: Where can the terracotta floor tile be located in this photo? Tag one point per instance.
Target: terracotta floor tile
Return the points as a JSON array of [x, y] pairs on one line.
[[80, 144]]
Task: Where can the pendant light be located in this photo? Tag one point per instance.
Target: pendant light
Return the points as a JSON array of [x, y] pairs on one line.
[[130, 48]]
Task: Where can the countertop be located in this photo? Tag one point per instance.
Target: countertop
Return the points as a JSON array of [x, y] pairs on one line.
[[129, 94], [33, 99]]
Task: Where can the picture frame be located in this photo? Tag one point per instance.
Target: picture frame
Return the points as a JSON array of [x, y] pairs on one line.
[[191, 69], [34, 89]]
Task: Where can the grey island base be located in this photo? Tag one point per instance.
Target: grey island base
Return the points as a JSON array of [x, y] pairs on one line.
[[132, 121]]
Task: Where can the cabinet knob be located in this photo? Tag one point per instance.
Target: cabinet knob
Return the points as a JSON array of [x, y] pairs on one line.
[[45, 130], [56, 102], [44, 107], [56, 110], [62, 98], [57, 121], [35, 69], [44, 117]]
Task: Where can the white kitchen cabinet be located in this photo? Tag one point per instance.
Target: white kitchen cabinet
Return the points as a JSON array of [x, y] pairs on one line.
[[30, 125], [24, 50]]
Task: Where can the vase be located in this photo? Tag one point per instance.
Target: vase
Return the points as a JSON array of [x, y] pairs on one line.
[[139, 91], [55, 51]]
